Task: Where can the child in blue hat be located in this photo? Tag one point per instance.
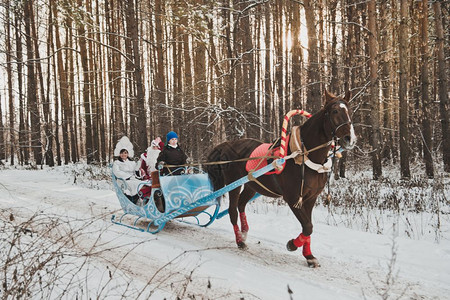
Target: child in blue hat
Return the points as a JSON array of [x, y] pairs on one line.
[[172, 154]]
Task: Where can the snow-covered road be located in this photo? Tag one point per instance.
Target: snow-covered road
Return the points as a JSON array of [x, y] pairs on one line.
[[188, 261]]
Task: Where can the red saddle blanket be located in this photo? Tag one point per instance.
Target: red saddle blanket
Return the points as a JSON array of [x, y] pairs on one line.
[[261, 150]]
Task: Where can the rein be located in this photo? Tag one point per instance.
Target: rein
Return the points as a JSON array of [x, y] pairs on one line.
[[333, 159], [223, 162], [300, 152]]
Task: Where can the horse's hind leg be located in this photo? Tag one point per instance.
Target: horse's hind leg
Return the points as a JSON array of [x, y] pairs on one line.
[[233, 212], [244, 197]]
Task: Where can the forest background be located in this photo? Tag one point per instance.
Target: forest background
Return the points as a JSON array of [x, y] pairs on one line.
[[78, 75]]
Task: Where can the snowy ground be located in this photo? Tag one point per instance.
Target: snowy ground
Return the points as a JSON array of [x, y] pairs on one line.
[[107, 261]]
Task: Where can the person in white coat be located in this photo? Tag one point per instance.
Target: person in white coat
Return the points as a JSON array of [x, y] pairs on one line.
[[124, 168]]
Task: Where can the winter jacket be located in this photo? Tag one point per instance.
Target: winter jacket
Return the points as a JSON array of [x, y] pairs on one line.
[[125, 170], [171, 156]]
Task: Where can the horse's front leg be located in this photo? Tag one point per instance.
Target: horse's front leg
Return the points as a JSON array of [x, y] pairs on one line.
[[305, 242], [303, 214]]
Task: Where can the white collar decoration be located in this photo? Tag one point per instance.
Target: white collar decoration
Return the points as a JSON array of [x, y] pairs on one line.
[[325, 168]]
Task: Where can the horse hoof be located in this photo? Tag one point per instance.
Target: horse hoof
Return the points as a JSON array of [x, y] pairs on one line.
[[313, 262], [290, 246], [242, 246]]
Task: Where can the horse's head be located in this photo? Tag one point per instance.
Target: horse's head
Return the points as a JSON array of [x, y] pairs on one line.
[[337, 112]]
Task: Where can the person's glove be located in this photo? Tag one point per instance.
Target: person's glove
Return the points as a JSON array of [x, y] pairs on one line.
[[161, 165]]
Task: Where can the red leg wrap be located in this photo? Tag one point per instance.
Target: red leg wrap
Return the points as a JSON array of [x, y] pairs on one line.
[[300, 240], [238, 234], [244, 224], [307, 248], [304, 241]]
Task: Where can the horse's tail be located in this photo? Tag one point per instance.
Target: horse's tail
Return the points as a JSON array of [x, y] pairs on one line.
[[215, 170]]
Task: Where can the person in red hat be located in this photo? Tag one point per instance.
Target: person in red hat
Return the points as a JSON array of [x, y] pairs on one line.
[[148, 159]]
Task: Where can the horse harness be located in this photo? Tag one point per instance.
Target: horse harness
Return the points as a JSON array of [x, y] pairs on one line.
[[300, 155]]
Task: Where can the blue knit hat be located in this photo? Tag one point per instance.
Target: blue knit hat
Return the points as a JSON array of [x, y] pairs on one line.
[[171, 135]]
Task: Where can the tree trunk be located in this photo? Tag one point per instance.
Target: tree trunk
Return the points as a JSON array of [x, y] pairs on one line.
[[93, 66], [141, 121], [313, 96], [88, 143], [73, 107], [177, 60], [188, 87], [349, 74], [9, 57], [236, 44], [415, 104], [56, 98], [334, 81], [100, 135], [296, 57], [279, 64], [248, 71], [426, 105], [2, 135], [230, 121], [64, 89], [48, 136], [403, 89], [24, 156], [374, 104], [217, 93], [200, 88], [32, 100], [160, 78], [386, 82], [115, 74], [268, 88], [442, 82], [321, 49], [129, 85]]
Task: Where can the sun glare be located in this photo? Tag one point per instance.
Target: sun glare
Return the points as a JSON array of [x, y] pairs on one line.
[[303, 38]]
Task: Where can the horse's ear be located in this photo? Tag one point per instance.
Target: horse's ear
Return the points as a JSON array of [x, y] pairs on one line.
[[348, 96], [328, 96]]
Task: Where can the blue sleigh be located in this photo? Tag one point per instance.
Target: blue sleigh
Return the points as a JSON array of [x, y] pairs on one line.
[[189, 198]]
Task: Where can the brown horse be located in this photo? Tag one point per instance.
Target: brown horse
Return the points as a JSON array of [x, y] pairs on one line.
[[299, 184]]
